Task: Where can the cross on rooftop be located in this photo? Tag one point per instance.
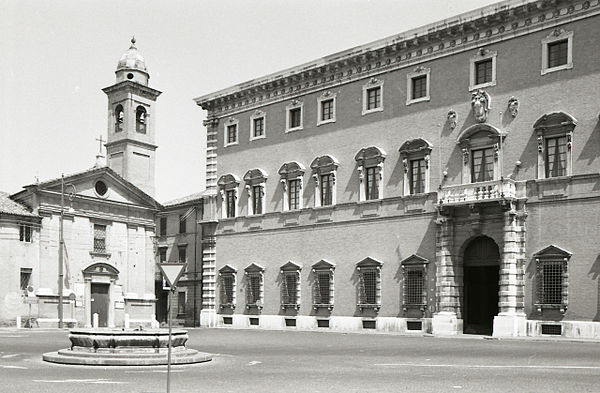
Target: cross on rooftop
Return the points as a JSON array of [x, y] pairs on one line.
[[100, 140]]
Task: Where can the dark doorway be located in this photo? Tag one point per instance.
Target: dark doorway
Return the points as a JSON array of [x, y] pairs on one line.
[[100, 302], [162, 299], [481, 263]]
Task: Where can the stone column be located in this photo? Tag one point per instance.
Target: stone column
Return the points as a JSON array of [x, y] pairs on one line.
[[448, 280], [511, 321]]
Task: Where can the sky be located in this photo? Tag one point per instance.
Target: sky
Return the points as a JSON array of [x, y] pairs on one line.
[[56, 56]]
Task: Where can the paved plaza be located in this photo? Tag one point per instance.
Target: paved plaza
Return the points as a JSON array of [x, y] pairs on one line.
[[296, 361]]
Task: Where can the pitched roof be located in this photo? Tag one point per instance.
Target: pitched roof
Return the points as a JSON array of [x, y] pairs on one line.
[[185, 199], [96, 169], [8, 206]]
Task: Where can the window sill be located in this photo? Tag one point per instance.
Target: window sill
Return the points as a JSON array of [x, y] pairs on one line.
[[253, 138], [482, 85], [407, 307], [323, 122], [230, 306], [327, 306], [294, 306], [251, 306], [417, 100], [294, 129], [557, 68], [560, 307], [230, 144], [100, 254], [368, 111], [374, 307]]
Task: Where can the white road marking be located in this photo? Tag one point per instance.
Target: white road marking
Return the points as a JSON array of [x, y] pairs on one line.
[[488, 366], [12, 355], [94, 381], [254, 362], [18, 367]]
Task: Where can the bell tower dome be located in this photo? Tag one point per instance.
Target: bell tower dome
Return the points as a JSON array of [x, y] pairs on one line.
[[130, 146]]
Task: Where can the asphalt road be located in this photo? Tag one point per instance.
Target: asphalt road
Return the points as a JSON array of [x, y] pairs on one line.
[[286, 361]]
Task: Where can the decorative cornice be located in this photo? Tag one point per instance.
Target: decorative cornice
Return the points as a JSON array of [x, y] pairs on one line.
[[501, 21], [140, 89]]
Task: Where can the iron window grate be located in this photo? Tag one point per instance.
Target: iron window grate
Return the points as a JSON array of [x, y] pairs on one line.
[[254, 321], [413, 286], [290, 322], [369, 286], [99, 238], [414, 325], [323, 323], [554, 330], [254, 288], [369, 324], [289, 289], [227, 289], [227, 321]]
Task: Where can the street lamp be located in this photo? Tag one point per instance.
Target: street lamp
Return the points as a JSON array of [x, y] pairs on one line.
[[61, 244]]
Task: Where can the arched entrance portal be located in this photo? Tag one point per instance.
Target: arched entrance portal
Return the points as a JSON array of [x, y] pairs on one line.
[[481, 261]]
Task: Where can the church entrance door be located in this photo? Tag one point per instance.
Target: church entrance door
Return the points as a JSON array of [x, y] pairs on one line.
[[481, 263], [100, 301]]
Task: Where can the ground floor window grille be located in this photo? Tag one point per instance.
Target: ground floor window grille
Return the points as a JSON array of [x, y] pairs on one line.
[[253, 289], [290, 289], [254, 286], [552, 278], [323, 289], [414, 288], [369, 291], [227, 287]]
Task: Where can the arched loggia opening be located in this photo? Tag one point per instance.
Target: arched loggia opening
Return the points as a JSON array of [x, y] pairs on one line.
[[481, 261]]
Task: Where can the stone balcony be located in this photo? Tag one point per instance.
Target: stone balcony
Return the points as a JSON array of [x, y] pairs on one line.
[[489, 191]]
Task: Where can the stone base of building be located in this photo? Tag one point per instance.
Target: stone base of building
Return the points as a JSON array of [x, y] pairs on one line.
[[567, 329], [510, 325], [208, 318], [446, 323], [335, 323]]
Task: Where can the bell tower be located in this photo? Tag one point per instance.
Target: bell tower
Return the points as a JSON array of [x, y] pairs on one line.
[[130, 146]]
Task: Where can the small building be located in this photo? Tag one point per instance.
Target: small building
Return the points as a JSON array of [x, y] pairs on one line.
[[19, 245], [179, 239], [444, 179]]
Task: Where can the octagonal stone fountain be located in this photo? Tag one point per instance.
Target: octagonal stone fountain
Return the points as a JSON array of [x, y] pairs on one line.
[[113, 347]]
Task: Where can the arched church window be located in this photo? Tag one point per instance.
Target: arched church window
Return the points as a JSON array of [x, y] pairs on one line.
[[140, 119], [119, 117]]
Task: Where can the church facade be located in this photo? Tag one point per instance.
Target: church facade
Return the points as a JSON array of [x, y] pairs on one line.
[[443, 180], [104, 219]]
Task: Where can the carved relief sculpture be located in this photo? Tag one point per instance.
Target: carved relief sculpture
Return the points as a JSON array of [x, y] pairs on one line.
[[480, 104], [452, 119], [513, 106]]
